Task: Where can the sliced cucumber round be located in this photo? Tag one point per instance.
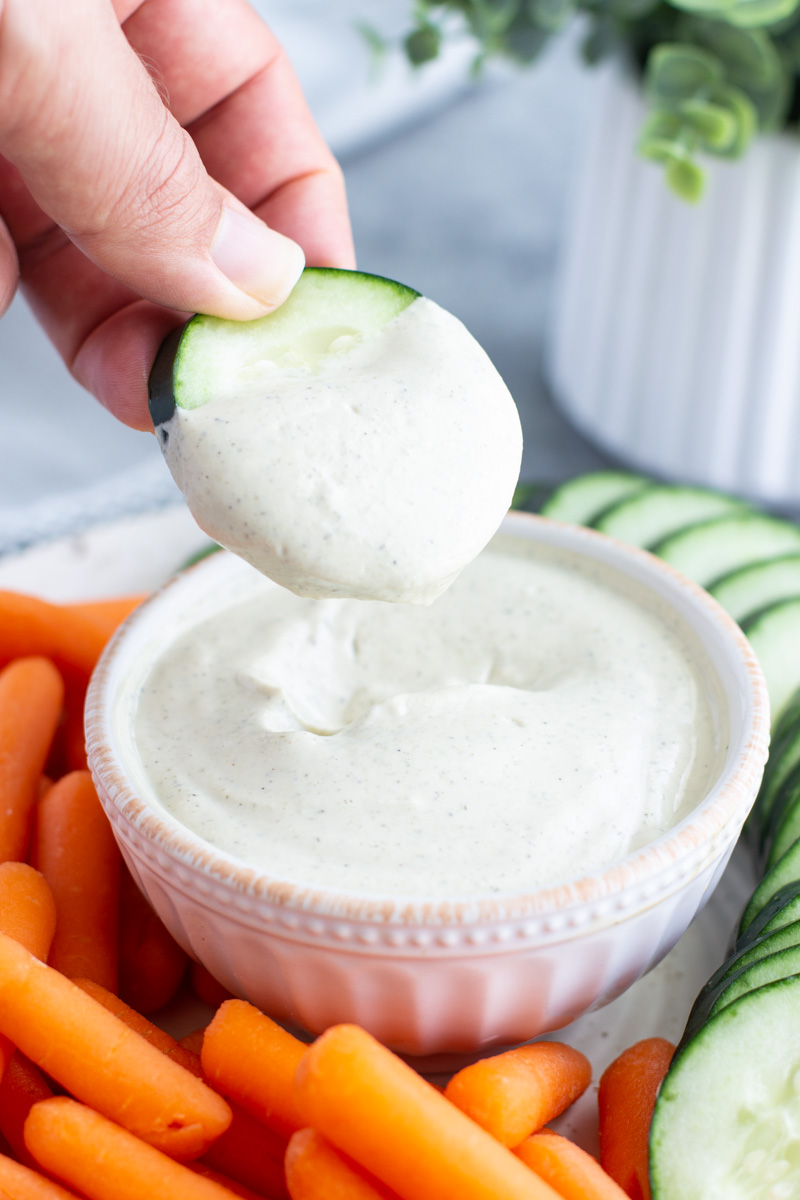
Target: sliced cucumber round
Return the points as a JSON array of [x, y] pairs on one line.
[[781, 910], [784, 827], [328, 309], [357, 442], [711, 548], [648, 516], [779, 965], [746, 590], [726, 1124], [784, 757], [579, 501], [747, 952], [786, 870], [774, 634]]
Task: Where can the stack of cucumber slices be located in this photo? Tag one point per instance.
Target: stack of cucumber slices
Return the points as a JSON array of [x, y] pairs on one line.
[[727, 1120]]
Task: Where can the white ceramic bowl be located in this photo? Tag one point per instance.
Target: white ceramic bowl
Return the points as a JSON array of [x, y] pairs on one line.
[[432, 977]]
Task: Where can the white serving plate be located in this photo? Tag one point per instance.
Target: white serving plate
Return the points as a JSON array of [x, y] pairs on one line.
[[139, 553]]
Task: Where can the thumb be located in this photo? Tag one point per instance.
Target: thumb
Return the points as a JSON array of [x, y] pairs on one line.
[[102, 155]]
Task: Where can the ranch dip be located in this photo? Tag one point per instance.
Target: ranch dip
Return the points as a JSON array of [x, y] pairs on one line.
[[545, 717], [373, 467]]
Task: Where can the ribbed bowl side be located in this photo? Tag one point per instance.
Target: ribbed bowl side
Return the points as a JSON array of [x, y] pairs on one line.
[[675, 340]]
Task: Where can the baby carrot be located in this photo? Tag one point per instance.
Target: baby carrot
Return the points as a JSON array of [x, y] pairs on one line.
[[30, 626], [22, 1086], [193, 1041], [206, 987], [385, 1116], [251, 1059], [27, 907], [71, 1141], [151, 963], [71, 735], [79, 858], [27, 914], [316, 1170], [101, 1061], [573, 1173], [22, 1183], [139, 1024], [627, 1096], [512, 1095], [31, 695], [247, 1150], [239, 1189], [108, 615]]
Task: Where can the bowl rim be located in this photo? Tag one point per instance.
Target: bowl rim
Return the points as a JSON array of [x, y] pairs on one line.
[[659, 867]]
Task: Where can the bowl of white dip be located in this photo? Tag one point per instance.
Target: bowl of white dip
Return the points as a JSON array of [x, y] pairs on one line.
[[457, 826]]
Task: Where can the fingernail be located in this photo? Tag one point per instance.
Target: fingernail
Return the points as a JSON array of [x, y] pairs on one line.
[[264, 264]]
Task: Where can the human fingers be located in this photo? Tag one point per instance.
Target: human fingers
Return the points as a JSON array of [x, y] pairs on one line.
[[9, 268], [100, 153], [229, 82]]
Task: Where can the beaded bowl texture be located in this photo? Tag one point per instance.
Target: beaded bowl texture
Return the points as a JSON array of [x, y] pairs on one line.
[[431, 977]]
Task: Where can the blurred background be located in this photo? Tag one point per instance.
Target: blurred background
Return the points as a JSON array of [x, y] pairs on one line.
[[459, 188]]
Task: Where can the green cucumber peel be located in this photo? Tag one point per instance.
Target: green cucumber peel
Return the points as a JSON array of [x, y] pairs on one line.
[[210, 357]]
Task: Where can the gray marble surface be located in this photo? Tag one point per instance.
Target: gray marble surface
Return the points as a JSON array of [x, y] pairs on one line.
[[458, 190]]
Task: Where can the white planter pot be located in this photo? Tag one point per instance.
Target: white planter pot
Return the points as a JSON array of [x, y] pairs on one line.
[[677, 331]]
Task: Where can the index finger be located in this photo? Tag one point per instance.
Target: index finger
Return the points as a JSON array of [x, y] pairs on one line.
[[259, 136]]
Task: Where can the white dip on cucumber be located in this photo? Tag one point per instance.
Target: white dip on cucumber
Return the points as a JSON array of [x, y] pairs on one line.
[[358, 442], [542, 719]]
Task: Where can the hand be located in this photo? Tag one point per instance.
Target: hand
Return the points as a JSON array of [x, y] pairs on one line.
[[136, 136]]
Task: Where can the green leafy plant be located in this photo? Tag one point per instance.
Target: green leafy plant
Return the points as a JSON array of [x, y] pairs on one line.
[[714, 72]]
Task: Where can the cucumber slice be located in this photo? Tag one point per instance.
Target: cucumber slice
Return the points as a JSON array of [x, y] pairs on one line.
[[782, 910], [744, 956], [784, 756], [210, 358], [764, 970], [651, 515], [726, 1124], [710, 549], [774, 634], [784, 827], [789, 721], [579, 501], [748, 589], [785, 870]]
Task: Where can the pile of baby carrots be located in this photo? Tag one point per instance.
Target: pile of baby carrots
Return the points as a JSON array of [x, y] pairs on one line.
[[97, 1101]]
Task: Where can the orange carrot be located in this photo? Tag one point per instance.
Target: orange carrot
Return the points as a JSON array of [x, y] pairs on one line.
[[139, 1024], [381, 1113], [316, 1170], [108, 615], [573, 1173], [30, 626], [512, 1095], [206, 987], [193, 1041], [72, 1141], [31, 695], [27, 914], [27, 907], [627, 1096], [18, 1182], [251, 1059], [71, 733], [239, 1189], [22, 1086], [79, 858], [151, 963], [101, 1061], [247, 1150]]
